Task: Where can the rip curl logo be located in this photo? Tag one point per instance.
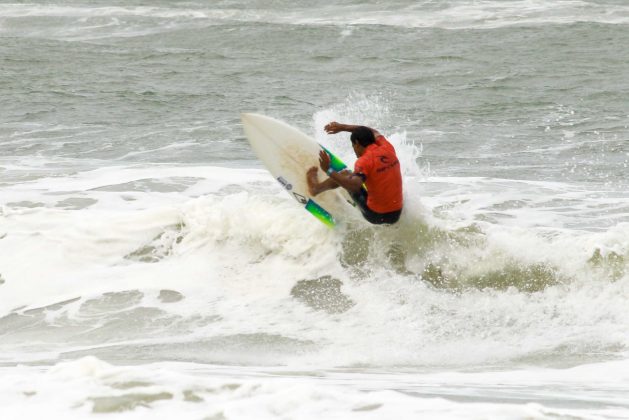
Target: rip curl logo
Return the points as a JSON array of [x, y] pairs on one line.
[[386, 160]]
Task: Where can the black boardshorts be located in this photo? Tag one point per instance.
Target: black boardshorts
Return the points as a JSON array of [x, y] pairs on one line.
[[360, 198]]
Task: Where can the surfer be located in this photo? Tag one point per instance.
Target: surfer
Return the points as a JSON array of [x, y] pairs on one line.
[[376, 183]]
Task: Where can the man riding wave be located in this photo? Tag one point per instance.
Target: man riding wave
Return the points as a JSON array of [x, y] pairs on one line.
[[376, 183]]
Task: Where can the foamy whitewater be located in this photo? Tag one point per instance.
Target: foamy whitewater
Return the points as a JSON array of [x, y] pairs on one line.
[[150, 268]]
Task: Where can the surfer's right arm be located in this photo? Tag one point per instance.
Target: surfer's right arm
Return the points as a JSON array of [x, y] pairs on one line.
[[348, 180], [336, 127]]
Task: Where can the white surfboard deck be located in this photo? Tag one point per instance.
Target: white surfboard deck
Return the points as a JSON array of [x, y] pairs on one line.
[[288, 153]]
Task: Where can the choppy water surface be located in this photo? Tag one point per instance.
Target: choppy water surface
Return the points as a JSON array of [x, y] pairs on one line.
[[150, 267]]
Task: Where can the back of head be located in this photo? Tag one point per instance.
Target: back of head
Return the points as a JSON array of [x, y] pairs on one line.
[[363, 136]]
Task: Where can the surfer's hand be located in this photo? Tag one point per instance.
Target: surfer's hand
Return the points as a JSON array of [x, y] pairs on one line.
[[333, 128], [324, 161]]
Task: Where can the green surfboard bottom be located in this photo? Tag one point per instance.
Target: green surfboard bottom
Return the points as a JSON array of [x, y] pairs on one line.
[[320, 213]]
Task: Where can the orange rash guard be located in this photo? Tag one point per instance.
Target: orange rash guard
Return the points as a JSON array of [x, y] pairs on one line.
[[380, 168]]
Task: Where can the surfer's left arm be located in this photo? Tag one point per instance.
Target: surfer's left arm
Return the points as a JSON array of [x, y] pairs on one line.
[[346, 179], [336, 127]]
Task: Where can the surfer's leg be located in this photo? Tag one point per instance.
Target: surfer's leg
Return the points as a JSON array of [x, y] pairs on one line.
[[382, 218], [314, 186], [360, 198]]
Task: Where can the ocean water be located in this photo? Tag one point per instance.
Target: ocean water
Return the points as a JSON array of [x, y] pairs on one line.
[[151, 268]]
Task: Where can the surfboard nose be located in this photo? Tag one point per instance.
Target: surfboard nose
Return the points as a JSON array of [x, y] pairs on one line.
[[249, 117]]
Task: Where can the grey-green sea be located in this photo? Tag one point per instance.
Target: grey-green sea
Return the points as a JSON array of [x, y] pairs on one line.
[[151, 268]]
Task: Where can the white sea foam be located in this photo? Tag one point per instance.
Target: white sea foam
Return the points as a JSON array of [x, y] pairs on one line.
[[235, 254], [88, 386], [233, 245]]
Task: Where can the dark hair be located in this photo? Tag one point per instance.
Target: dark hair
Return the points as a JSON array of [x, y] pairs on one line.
[[363, 136]]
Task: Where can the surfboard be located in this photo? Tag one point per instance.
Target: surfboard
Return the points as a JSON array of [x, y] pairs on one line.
[[287, 154]]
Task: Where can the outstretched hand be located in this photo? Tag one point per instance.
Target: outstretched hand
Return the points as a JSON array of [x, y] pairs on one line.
[[333, 128], [324, 161]]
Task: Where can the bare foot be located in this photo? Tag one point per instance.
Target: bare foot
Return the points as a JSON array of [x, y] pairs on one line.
[[313, 181]]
